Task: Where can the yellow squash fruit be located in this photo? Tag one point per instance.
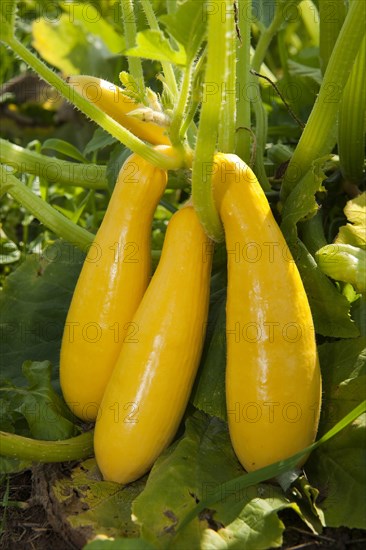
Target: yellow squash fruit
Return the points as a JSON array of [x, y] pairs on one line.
[[114, 102], [111, 284], [273, 383], [149, 389]]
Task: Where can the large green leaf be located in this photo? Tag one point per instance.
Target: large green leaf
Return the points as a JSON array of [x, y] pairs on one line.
[[184, 474], [189, 472], [338, 467], [34, 305]]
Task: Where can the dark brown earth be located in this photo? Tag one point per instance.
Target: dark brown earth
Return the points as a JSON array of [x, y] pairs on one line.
[[26, 525]]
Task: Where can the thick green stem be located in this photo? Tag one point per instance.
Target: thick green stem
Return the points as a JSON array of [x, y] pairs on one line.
[[351, 122], [319, 135], [92, 111], [50, 217], [130, 31], [228, 112], [331, 16], [243, 121], [209, 121], [75, 448], [90, 176], [167, 68]]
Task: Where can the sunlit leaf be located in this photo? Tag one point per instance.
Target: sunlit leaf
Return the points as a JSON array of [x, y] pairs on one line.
[[354, 232], [154, 45]]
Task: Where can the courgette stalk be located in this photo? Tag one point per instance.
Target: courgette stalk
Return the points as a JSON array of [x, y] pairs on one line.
[[18, 446], [90, 176], [44, 212]]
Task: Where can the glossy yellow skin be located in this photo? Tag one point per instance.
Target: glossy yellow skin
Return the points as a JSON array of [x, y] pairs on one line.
[[111, 284], [148, 392], [111, 99], [273, 383]]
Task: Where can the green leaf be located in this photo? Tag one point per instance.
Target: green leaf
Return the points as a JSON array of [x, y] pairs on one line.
[[329, 308], [34, 304], [153, 45], [47, 416], [188, 26], [237, 485], [209, 391], [305, 72], [190, 471], [338, 467], [7, 19], [184, 474], [63, 147], [257, 527], [354, 233], [301, 203], [99, 140], [102, 507]]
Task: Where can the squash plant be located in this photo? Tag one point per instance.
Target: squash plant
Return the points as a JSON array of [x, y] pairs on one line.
[[279, 84]]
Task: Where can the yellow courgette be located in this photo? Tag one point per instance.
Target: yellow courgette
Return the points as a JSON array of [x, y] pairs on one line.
[[110, 287], [148, 392], [273, 383], [114, 102]]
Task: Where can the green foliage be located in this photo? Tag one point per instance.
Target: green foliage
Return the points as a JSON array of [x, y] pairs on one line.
[[44, 411], [354, 232], [34, 305], [153, 45], [199, 473], [338, 467], [78, 42], [188, 17]]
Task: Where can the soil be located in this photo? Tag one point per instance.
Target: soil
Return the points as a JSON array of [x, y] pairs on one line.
[[26, 525]]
